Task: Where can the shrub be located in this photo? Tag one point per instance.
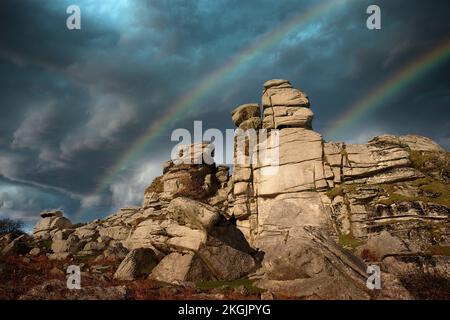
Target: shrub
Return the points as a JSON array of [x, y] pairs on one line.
[[156, 186], [11, 226]]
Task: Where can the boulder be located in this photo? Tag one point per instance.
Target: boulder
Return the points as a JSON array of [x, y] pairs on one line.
[[193, 181], [281, 93], [196, 153], [177, 268], [139, 262], [282, 117], [245, 112], [16, 246], [252, 123], [413, 142], [35, 252], [115, 232], [66, 246], [148, 234], [381, 245], [184, 238], [48, 224], [193, 213], [48, 214], [224, 261]]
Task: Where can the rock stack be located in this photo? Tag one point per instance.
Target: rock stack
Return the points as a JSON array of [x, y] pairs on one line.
[[247, 118], [285, 106], [191, 173], [290, 211]]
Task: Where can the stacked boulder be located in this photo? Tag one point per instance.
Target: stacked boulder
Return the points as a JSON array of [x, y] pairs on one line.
[[285, 106], [191, 173], [52, 221], [247, 118]]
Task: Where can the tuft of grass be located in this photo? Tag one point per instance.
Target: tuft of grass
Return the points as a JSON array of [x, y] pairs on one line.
[[342, 189], [334, 192], [430, 162], [425, 160], [156, 186], [433, 191], [348, 241], [247, 283], [88, 257]]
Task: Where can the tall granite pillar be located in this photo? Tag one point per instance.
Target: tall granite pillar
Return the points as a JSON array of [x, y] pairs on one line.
[[248, 120]]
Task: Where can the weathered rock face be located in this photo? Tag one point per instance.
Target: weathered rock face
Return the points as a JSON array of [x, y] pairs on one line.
[[247, 118], [298, 202]]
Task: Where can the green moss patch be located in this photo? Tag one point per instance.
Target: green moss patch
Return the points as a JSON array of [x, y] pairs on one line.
[[334, 192], [433, 191], [348, 241], [227, 285]]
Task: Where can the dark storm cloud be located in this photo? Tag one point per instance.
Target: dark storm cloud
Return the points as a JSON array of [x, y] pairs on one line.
[[72, 102]]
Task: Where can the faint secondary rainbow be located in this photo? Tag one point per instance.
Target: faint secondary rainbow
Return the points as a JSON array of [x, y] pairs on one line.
[[213, 80], [392, 85]]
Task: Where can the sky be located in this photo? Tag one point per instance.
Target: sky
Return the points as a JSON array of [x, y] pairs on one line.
[[76, 106]]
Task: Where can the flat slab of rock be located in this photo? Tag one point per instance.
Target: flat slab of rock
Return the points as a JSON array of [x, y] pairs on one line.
[[193, 212], [47, 214]]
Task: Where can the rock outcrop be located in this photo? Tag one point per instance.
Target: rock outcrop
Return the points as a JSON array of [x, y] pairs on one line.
[[305, 226]]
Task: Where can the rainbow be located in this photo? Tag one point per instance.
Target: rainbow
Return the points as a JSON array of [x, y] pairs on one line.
[[391, 86], [212, 81]]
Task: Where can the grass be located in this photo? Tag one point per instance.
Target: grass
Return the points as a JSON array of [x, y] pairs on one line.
[[348, 241], [435, 164], [46, 244], [247, 283], [87, 257], [334, 192], [439, 192], [426, 160], [156, 186], [342, 189]]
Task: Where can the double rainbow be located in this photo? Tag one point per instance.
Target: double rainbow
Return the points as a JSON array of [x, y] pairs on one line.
[[377, 97], [213, 81], [380, 95]]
